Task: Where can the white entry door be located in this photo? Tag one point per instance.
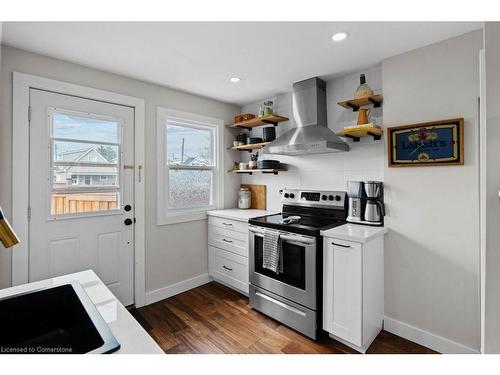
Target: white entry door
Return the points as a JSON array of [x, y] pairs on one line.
[[81, 190]]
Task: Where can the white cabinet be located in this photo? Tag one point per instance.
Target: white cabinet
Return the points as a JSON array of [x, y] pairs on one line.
[[344, 284], [228, 252], [353, 290]]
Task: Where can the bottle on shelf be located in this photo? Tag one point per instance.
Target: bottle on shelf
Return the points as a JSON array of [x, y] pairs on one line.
[[363, 90]]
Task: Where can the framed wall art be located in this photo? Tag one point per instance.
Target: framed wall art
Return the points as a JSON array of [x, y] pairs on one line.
[[426, 144]]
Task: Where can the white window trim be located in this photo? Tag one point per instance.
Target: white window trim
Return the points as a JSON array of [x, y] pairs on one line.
[[180, 216]]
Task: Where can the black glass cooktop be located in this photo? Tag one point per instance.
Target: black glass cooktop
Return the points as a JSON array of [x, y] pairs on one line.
[[307, 224]]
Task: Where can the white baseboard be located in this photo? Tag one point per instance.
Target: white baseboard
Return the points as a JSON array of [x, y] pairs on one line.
[[172, 290], [425, 338]]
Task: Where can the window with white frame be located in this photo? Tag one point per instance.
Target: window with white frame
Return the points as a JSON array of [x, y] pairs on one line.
[[189, 176]]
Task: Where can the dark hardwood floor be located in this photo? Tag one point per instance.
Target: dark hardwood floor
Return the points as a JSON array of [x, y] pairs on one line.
[[215, 319]]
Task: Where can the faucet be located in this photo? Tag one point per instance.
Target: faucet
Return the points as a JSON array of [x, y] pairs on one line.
[[7, 235]]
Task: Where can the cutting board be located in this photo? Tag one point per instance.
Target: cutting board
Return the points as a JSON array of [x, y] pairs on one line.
[[258, 193]]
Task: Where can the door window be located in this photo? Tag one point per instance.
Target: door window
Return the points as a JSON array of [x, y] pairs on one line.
[[84, 162]]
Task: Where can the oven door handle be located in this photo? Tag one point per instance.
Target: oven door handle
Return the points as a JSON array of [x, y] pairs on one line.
[[285, 237], [301, 240], [256, 230]]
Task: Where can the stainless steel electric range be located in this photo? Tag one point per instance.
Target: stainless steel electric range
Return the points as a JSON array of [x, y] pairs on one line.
[[293, 296]]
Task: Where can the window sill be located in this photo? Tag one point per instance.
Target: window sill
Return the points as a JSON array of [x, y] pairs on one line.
[[182, 218]]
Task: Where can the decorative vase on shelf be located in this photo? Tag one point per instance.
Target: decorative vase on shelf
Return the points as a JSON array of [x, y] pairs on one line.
[[363, 89], [363, 116]]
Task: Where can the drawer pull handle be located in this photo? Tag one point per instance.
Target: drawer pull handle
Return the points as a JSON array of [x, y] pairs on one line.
[[229, 241], [228, 224], [227, 268], [337, 244]]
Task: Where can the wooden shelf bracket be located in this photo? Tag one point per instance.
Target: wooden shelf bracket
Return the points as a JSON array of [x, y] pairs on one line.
[[357, 103]]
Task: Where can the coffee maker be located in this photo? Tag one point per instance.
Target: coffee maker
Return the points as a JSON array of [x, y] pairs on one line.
[[365, 202]]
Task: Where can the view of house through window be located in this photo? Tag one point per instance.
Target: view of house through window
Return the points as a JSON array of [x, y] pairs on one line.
[[85, 164], [190, 162]]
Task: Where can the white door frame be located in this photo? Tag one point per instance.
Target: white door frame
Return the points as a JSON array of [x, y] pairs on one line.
[[482, 192], [22, 83]]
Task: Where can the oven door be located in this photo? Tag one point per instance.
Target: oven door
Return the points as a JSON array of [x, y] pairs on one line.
[[298, 280]]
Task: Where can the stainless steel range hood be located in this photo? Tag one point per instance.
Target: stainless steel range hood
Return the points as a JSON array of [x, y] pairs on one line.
[[311, 136]]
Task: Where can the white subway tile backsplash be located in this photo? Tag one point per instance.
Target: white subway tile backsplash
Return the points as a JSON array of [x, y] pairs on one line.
[[335, 116], [365, 161], [320, 162], [363, 175], [322, 180], [365, 156]]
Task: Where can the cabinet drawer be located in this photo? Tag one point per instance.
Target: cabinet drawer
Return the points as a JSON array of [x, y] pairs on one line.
[[238, 226], [212, 229], [229, 268], [228, 240]]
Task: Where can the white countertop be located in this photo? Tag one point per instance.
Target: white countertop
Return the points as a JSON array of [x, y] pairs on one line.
[[354, 232], [239, 214], [132, 337]]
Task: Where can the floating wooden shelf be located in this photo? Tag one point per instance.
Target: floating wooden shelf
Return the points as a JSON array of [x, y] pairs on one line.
[[250, 147], [250, 171], [356, 134], [355, 104], [259, 121]]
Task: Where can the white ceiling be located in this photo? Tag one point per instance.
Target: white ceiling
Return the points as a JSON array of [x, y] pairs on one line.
[[201, 57]]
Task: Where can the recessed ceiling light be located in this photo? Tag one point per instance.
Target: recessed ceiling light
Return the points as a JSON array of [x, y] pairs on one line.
[[339, 36], [235, 79]]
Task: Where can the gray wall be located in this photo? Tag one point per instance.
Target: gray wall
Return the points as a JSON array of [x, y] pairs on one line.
[[173, 254], [432, 248], [492, 258]]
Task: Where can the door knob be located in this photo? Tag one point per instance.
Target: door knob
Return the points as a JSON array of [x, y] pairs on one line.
[[128, 207], [128, 222]]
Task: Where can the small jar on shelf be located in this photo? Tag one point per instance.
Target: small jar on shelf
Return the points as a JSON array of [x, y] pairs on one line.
[[266, 109]]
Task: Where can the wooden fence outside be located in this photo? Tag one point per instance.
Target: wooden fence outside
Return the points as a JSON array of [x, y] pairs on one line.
[[77, 203]]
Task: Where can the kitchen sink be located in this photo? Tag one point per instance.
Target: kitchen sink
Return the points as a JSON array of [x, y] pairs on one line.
[[58, 320]]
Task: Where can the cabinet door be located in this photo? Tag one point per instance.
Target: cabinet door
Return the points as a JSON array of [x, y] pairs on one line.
[[347, 290]]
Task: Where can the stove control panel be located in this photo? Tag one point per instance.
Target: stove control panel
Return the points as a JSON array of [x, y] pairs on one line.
[[318, 198]]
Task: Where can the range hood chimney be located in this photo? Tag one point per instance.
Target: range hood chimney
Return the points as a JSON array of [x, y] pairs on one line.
[[312, 135]]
